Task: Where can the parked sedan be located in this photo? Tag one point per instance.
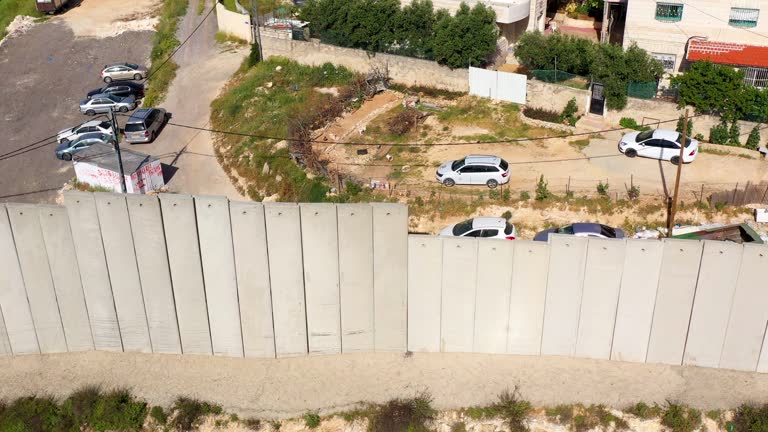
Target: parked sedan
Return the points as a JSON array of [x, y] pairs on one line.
[[122, 71], [120, 88], [474, 170], [659, 144], [66, 150], [73, 133], [487, 227], [582, 230], [103, 103]]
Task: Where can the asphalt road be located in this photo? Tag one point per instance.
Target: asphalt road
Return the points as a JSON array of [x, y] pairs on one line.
[[44, 73]]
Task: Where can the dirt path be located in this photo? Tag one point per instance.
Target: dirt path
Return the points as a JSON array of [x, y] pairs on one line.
[[292, 386], [104, 18]]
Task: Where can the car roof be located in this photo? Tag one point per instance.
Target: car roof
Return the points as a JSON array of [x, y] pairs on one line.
[[91, 135], [586, 227], [90, 123], [140, 114], [482, 159], [117, 64], [666, 134], [488, 222]]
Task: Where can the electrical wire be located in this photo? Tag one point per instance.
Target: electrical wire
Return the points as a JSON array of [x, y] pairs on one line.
[[43, 142]]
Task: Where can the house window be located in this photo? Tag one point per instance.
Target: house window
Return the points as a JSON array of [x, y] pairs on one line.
[[757, 77], [743, 17], [669, 11], [667, 60]]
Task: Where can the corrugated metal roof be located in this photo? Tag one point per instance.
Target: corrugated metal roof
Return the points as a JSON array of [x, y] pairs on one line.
[[104, 156], [727, 53]]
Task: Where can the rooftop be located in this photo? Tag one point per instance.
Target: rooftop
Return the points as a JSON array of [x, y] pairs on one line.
[[104, 156]]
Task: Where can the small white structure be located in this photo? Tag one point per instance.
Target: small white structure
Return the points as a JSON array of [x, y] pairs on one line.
[[98, 166], [761, 215]]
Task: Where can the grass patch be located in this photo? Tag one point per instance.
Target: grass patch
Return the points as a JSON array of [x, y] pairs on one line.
[[752, 418], [432, 92], [501, 120], [403, 415], [252, 423], [510, 407], [644, 411], [680, 418], [714, 151], [561, 414], [163, 45], [312, 420], [580, 144], [10, 9], [85, 187], [158, 414], [187, 412], [224, 38], [200, 7]]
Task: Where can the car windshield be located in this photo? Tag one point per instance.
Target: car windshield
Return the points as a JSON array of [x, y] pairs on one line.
[[457, 164], [607, 231], [114, 98], [568, 229], [462, 227], [504, 165], [134, 127], [105, 125], [642, 136], [132, 66], [679, 140]]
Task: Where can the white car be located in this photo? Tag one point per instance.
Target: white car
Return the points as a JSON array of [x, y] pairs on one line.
[[659, 144], [73, 133], [486, 227], [474, 170]]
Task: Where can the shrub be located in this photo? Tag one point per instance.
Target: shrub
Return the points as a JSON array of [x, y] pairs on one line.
[[275, 425], [403, 414], [562, 414], [312, 420], [542, 114], [733, 134], [459, 427], [719, 134], [689, 128], [187, 411], [159, 415], [513, 409], [699, 137], [404, 121], [252, 423], [602, 188], [542, 191], [525, 196], [569, 112], [630, 123], [507, 215], [680, 418], [633, 193], [118, 410], [30, 414], [751, 418], [753, 141]]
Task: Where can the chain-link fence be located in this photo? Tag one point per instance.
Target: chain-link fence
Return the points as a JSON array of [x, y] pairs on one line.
[[560, 77], [646, 90]]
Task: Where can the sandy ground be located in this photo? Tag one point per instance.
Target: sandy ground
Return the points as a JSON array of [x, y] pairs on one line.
[[291, 386], [104, 18]]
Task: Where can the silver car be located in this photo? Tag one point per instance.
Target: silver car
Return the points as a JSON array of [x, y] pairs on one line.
[[73, 133], [104, 103], [123, 71], [65, 150]]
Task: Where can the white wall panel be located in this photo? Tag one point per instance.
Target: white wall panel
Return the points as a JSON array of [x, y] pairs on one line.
[[217, 255], [154, 272], [119, 250], [602, 281], [390, 276], [564, 290], [320, 247], [458, 294], [252, 264], [356, 276], [5, 344], [528, 294], [637, 298], [425, 253], [97, 288], [286, 272], [674, 299], [749, 312], [494, 279]]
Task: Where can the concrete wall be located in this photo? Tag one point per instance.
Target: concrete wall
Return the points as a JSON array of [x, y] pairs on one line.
[[203, 275], [233, 23]]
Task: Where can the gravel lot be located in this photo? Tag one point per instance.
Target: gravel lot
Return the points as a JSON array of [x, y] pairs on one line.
[[45, 72]]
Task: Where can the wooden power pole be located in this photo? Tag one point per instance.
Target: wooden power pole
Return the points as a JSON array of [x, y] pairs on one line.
[[671, 216], [256, 31]]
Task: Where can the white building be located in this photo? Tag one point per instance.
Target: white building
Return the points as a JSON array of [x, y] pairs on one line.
[[729, 32]]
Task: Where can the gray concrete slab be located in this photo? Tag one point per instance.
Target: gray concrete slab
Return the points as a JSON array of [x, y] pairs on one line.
[[527, 297], [249, 236], [320, 247], [355, 229], [494, 281], [65, 272], [180, 225], [5, 343], [36, 272], [217, 255], [674, 300], [97, 288], [564, 291], [425, 259], [13, 297], [637, 299], [457, 318], [286, 273], [390, 276], [154, 272], [120, 251]]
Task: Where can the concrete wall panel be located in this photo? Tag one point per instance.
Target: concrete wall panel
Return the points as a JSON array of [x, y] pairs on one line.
[[13, 297], [564, 291], [356, 276], [89, 248], [674, 299], [637, 298], [218, 258], [60, 249], [286, 272], [718, 274], [119, 250], [36, 272], [252, 264], [320, 246], [390, 276], [458, 294], [528, 293], [154, 272], [5, 344], [425, 259], [602, 281], [749, 312], [180, 225], [494, 279]]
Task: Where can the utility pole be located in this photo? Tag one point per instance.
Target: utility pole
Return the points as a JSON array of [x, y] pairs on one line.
[[671, 218], [256, 32], [117, 149]]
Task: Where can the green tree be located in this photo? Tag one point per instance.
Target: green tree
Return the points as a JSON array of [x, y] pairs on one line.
[[468, 38], [414, 29], [753, 141], [711, 88], [733, 134], [679, 127]]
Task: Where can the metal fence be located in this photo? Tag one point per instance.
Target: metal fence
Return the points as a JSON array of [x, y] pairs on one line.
[[646, 90]]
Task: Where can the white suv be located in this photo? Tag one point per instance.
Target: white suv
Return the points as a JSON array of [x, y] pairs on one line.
[[474, 170]]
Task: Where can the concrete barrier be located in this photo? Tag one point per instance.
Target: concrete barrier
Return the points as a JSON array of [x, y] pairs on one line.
[[390, 276], [5, 343], [494, 280], [425, 253], [527, 297], [457, 318]]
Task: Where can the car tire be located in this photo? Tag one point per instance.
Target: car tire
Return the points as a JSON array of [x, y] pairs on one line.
[[492, 184], [449, 182], [137, 77], [64, 141], [675, 160], [152, 137], [107, 80], [123, 109], [90, 113], [67, 157], [630, 153]]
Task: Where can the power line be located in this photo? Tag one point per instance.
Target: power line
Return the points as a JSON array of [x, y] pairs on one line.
[[3, 156]]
